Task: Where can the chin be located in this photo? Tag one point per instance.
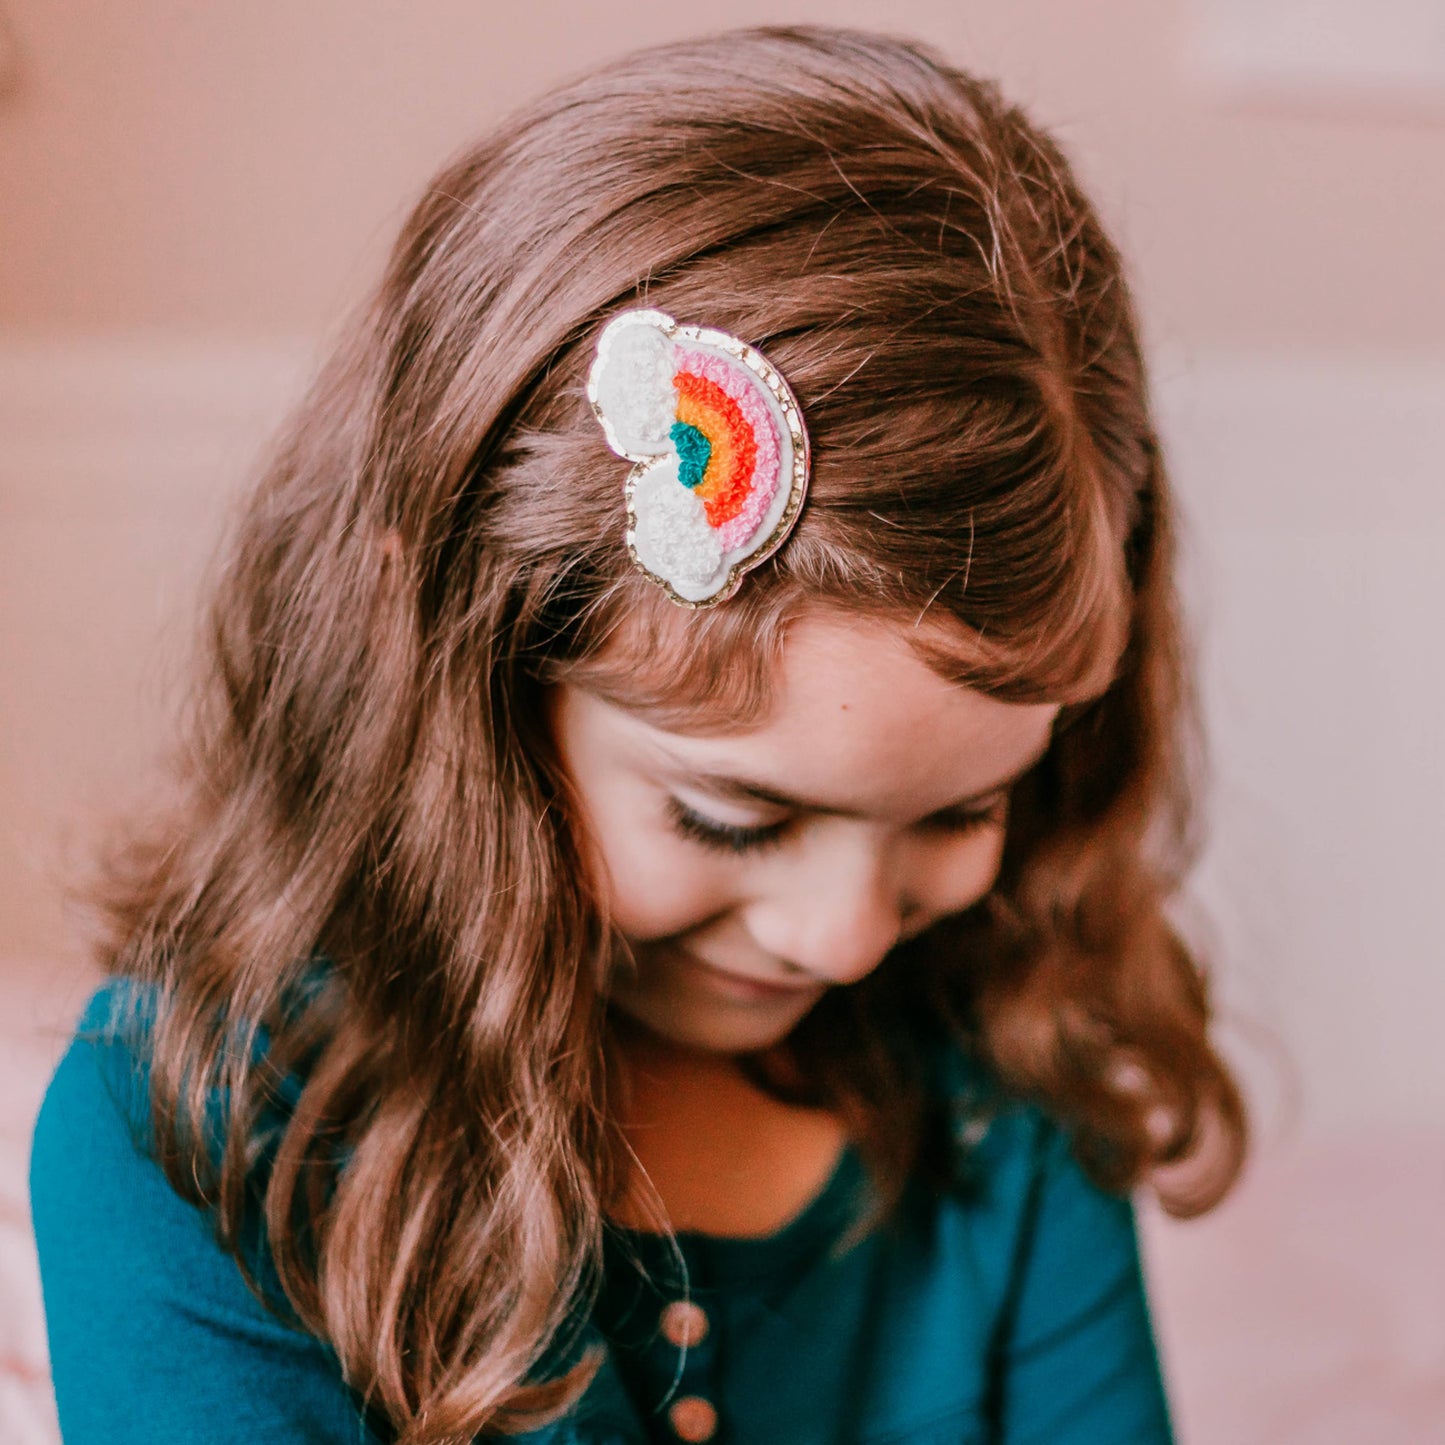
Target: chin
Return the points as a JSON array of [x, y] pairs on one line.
[[716, 1030]]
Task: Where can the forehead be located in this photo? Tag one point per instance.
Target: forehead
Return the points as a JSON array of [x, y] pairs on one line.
[[855, 718]]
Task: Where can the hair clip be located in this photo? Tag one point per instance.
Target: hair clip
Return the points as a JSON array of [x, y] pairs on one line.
[[718, 445]]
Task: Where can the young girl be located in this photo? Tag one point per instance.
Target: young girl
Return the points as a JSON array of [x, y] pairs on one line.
[[662, 932]]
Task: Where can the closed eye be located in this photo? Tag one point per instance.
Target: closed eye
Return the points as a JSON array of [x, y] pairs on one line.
[[724, 837], [971, 819], [740, 838]]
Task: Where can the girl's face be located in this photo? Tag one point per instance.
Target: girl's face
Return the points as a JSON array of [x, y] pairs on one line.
[[751, 871]]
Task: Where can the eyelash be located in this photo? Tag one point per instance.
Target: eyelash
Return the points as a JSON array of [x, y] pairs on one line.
[[723, 837], [986, 815], [755, 838]]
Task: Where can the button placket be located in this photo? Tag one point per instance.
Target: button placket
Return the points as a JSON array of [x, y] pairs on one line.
[[685, 1330]]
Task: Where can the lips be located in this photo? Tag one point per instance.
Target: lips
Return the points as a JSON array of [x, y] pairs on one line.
[[740, 986]]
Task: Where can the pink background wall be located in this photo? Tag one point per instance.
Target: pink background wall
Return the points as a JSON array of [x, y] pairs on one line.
[[239, 168], [191, 195]]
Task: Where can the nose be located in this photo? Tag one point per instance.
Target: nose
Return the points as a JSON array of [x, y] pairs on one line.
[[836, 918]]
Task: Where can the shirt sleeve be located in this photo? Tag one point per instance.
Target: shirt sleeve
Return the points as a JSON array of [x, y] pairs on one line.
[[154, 1335], [1079, 1364]]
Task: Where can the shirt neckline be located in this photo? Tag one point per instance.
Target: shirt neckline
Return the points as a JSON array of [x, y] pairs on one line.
[[718, 1261]]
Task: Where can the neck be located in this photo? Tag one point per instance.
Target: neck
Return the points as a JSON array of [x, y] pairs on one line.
[[711, 1150]]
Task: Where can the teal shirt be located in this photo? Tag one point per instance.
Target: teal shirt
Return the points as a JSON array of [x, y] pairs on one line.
[[1010, 1310]]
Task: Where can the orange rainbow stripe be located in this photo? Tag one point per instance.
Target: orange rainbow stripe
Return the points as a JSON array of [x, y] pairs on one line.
[[702, 403]]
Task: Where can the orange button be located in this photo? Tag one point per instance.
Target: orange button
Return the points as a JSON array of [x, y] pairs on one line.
[[684, 1324], [693, 1419]]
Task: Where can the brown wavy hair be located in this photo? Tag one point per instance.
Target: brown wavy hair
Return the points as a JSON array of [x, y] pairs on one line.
[[437, 539]]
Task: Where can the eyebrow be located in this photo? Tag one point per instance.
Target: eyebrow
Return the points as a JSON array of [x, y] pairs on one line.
[[724, 785]]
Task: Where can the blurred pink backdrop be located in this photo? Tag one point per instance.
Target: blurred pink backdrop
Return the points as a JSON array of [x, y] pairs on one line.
[[191, 196], [240, 169]]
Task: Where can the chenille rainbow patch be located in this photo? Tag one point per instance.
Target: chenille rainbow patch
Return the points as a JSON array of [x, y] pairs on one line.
[[718, 445]]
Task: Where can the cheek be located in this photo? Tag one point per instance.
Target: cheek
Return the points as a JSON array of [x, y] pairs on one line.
[[656, 883], [989, 861], [953, 877]]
